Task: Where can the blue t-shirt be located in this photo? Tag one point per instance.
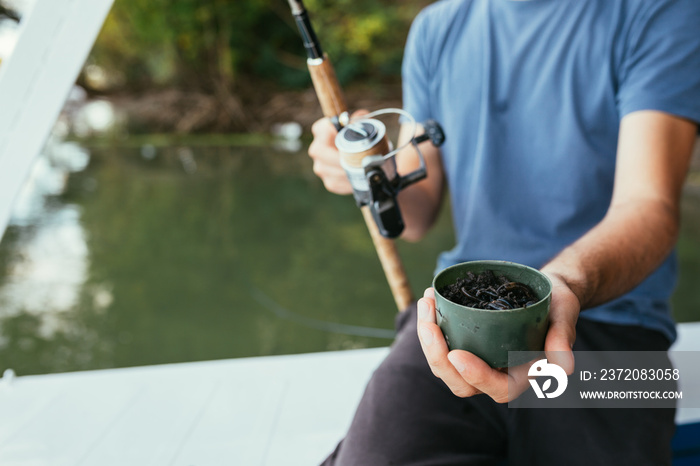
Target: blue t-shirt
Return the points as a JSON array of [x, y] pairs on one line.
[[530, 95]]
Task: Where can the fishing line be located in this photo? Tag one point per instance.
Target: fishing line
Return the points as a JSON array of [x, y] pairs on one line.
[[334, 327], [393, 111]]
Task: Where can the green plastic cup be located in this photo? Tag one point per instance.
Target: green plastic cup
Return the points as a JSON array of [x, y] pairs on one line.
[[491, 334]]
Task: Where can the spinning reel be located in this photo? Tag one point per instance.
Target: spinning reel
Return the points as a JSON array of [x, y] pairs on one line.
[[368, 158]]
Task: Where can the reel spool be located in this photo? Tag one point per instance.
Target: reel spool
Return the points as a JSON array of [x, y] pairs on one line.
[[367, 156]]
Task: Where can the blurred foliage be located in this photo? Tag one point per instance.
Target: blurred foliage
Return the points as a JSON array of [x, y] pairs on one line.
[[206, 44]]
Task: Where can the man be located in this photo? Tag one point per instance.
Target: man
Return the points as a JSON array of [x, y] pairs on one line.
[[569, 125]]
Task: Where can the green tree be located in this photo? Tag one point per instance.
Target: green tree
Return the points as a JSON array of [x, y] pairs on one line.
[[240, 51], [214, 44]]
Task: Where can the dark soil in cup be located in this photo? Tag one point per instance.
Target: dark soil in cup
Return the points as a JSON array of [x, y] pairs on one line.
[[489, 291]]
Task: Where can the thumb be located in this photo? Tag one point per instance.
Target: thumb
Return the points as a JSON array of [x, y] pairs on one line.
[[557, 347], [357, 114], [561, 335]]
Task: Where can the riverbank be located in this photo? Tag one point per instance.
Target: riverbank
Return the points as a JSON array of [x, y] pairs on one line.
[[176, 111]]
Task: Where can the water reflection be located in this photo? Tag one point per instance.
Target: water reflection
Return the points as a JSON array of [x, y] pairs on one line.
[[144, 255], [153, 255], [45, 257], [49, 269], [49, 263]]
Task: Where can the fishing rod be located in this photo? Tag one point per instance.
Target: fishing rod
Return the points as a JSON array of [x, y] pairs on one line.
[[367, 156]]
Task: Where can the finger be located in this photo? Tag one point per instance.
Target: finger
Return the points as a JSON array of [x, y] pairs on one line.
[[481, 376], [324, 151], [435, 349], [323, 170], [337, 185], [426, 310], [562, 328], [324, 130], [436, 352], [359, 114], [518, 379], [557, 345], [502, 385], [429, 293]]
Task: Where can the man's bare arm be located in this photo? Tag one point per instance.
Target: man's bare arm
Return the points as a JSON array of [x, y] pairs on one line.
[[420, 203], [642, 222], [634, 237]]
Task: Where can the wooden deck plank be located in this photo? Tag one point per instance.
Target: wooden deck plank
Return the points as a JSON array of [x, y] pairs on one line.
[[65, 427], [319, 409], [289, 410], [272, 410]]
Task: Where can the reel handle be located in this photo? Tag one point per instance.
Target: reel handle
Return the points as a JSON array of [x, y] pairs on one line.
[[434, 133]]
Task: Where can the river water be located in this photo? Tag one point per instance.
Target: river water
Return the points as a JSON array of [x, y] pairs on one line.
[[125, 256]]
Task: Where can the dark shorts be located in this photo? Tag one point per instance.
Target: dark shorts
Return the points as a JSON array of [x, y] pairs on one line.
[[407, 416]]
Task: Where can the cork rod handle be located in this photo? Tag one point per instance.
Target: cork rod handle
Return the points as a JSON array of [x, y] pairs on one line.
[[327, 87], [333, 105]]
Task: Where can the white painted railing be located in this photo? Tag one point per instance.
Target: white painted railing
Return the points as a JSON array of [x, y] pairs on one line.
[[54, 40]]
